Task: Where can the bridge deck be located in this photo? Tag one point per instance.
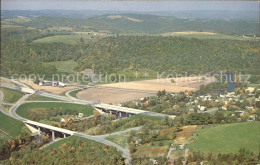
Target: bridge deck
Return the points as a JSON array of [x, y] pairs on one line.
[[49, 127], [119, 109]]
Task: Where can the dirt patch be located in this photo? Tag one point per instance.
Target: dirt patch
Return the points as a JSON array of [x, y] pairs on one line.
[[128, 91], [183, 136], [110, 95], [179, 84], [189, 33], [55, 90], [125, 17], [114, 16], [151, 151], [39, 111]]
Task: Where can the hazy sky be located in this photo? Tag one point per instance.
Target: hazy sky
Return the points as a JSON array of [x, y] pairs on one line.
[[128, 5]]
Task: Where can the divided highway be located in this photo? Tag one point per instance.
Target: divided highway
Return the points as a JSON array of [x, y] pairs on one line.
[[100, 138]]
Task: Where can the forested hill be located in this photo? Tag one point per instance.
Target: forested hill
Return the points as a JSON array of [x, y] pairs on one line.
[[171, 54], [140, 23]]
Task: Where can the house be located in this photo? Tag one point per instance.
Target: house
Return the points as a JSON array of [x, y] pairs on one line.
[[224, 107], [201, 108], [80, 115], [250, 90]]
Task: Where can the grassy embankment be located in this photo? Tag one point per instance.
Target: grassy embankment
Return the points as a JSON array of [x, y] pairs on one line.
[[11, 96], [9, 125]]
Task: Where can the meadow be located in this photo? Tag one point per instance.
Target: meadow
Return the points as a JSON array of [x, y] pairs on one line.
[[23, 109], [64, 66], [228, 138], [71, 39]]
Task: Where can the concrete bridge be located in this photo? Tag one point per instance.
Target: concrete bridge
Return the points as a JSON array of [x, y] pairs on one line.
[[38, 128], [126, 112], [119, 112]]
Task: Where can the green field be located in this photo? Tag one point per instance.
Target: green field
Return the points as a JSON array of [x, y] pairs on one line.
[[152, 118], [23, 109], [64, 66], [119, 139], [74, 93], [66, 140], [228, 138], [209, 36], [40, 98], [11, 96], [10, 125], [73, 39]]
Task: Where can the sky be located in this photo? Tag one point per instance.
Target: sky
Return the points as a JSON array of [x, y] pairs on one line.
[[145, 6]]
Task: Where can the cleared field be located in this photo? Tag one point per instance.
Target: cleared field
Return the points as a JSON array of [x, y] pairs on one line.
[[127, 91], [10, 125], [179, 84], [110, 95], [73, 39], [119, 139], [64, 66], [183, 136], [206, 35], [11, 96], [55, 90], [23, 109], [228, 138], [151, 152]]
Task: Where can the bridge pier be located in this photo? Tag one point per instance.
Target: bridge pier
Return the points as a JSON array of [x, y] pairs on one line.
[[64, 135], [39, 130], [120, 114], [129, 115], [110, 112], [53, 134]]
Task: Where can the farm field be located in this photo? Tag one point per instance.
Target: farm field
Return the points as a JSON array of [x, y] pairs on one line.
[[179, 84], [11, 96], [72, 39], [110, 95], [228, 138], [64, 66], [55, 90], [23, 109], [150, 152], [183, 136], [127, 91], [206, 35]]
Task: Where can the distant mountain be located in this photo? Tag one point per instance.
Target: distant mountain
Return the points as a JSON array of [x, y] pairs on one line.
[[137, 23], [215, 15]]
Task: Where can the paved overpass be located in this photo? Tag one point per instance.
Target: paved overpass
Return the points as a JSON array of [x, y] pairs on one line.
[[126, 112]]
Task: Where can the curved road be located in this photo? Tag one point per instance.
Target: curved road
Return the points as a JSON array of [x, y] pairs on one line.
[[99, 138]]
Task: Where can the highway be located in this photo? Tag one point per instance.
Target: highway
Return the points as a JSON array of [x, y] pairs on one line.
[[99, 138]]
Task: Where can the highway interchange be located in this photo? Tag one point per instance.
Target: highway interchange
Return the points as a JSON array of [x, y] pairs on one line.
[[100, 138]]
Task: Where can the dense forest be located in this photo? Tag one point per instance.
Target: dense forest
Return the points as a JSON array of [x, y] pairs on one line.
[[71, 151], [115, 53], [171, 54]]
